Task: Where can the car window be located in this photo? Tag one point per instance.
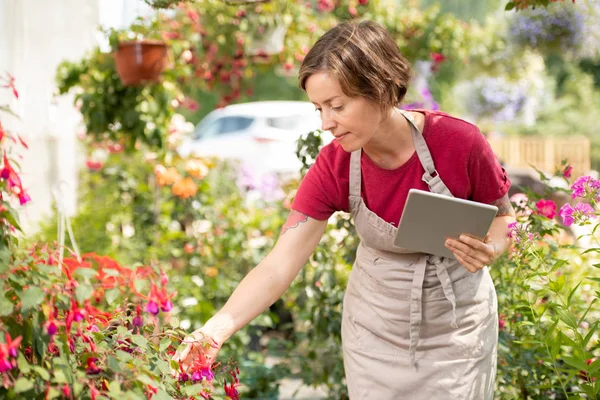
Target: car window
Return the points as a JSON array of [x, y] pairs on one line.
[[223, 126], [287, 123], [233, 124]]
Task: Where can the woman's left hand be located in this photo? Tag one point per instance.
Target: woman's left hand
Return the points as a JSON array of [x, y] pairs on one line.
[[472, 253]]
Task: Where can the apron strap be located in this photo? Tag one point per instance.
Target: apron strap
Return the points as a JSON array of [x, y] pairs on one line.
[[355, 179], [431, 176]]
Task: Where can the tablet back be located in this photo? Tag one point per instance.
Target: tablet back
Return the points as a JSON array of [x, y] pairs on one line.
[[429, 218]]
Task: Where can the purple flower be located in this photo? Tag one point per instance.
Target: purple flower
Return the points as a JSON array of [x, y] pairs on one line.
[[51, 329], [152, 308], [138, 321], [566, 213]]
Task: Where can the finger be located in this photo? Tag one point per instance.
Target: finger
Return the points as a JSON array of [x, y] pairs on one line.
[[469, 251], [473, 262], [482, 246], [476, 248], [465, 264]]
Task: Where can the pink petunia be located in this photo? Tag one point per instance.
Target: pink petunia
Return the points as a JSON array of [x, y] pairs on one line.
[[547, 208]]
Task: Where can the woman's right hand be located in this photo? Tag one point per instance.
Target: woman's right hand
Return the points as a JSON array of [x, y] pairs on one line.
[[201, 346]]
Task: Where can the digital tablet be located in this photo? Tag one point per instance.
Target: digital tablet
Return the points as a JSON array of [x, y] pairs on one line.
[[429, 218]]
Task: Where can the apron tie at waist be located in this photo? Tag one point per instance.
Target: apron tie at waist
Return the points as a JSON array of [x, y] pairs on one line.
[[416, 305], [442, 274]]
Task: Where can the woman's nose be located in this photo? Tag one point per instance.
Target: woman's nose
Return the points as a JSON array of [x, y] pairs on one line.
[[327, 122]]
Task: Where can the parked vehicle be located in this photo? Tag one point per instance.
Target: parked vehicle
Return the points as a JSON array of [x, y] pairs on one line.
[[261, 135]]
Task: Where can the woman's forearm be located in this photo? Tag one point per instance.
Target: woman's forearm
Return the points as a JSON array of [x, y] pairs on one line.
[[498, 234], [255, 293]]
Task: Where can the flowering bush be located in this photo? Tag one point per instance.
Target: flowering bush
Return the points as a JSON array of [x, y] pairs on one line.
[[547, 291], [11, 187], [90, 328]]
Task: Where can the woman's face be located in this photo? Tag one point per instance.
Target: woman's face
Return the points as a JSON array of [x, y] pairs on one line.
[[352, 120]]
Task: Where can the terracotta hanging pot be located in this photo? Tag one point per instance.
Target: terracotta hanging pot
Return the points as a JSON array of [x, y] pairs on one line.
[[140, 62]]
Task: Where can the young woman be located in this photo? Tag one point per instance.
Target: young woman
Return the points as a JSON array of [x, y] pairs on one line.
[[415, 326]]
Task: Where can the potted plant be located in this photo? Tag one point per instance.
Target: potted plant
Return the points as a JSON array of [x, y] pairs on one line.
[[140, 54]]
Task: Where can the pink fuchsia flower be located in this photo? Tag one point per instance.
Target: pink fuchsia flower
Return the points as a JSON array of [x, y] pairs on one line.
[[203, 372], [5, 365], [51, 328], [231, 391], [567, 172], [501, 324], [9, 174], [94, 165], [166, 306], [12, 345], [92, 368], [24, 198], [547, 208], [152, 308], [566, 213]]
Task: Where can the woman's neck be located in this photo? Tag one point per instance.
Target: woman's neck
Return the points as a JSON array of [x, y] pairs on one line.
[[392, 145]]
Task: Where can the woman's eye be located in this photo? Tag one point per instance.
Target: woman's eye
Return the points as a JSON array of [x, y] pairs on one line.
[[318, 110], [337, 108]]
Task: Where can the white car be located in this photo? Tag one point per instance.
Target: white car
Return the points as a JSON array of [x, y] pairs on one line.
[[261, 135]]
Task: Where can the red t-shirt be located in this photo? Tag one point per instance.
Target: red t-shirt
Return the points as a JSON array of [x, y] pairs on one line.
[[462, 157]]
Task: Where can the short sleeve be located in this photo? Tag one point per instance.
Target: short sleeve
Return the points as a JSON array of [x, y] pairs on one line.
[[319, 193], [488, 179]]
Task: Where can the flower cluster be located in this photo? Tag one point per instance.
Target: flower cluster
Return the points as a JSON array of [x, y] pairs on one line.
[[558, 26], [586, 188], [182, 187], [496, 98]]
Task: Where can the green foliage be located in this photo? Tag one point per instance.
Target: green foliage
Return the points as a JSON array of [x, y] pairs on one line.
[[115, 113]]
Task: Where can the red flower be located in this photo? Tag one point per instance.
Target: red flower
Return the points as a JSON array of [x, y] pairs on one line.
[[547, 208], [94, 165], [363, 2], [92, 368], [567, 172]]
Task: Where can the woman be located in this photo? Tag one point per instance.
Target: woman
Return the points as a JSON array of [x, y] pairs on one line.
[[415, 326]]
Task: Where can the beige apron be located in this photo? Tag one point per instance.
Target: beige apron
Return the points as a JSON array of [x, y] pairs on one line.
[[414, 326]]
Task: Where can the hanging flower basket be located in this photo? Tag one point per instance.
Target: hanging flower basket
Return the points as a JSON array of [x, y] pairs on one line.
[[140, 62]]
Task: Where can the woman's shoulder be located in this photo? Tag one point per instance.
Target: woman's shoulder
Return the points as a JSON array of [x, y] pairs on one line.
[[439, 122]]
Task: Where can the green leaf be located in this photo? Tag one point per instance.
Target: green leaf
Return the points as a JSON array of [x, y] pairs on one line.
[[13, 218], [6, 306], [42, 372], [597, 265], [192, 390], [567, 317], [4, 259], [114, 388], [32, 297], [23, 385], [509, 6], [113, 364], [164, 344], [161, 395], [111, 295], [139, 340], [83, 292], [85, 273], [572, 293], [575, 362], [146, 379], [22, 364], [111, 272]]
